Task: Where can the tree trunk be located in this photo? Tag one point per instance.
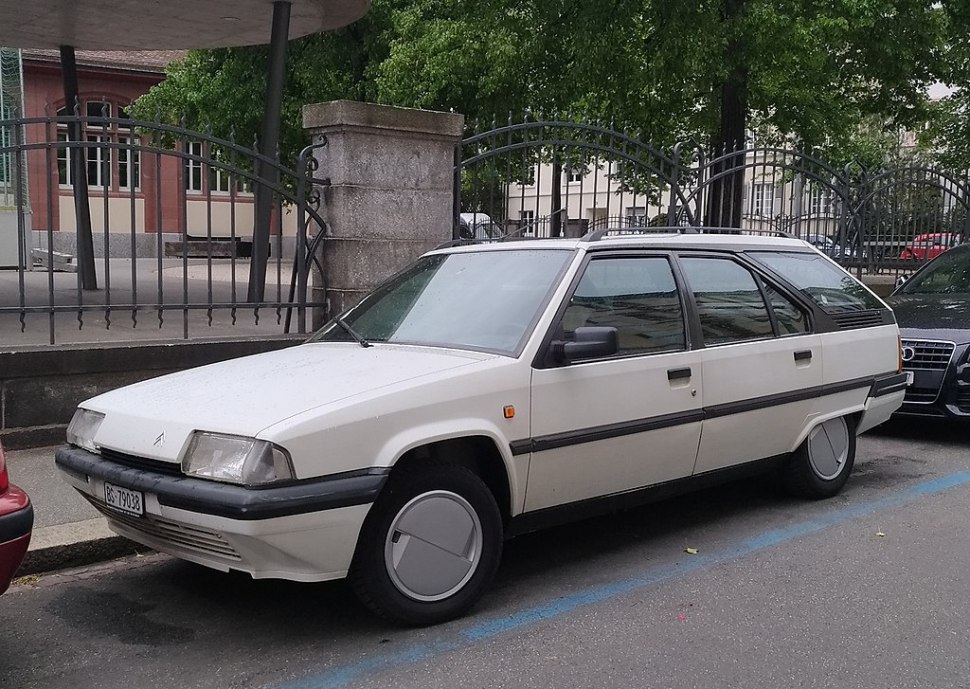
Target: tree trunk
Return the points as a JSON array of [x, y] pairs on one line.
[[724, 200]]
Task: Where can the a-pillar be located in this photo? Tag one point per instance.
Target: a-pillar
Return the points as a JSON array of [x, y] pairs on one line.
[[389, 199]]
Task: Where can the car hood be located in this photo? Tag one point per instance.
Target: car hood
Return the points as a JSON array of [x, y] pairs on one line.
[[936, 316], [155, 418]]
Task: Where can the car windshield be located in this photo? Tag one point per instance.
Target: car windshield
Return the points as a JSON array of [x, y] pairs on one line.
[[487, 300], [949, 274], [834, 290]]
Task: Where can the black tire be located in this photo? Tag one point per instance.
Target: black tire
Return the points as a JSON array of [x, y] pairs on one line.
[[403, 578], [821, 465]]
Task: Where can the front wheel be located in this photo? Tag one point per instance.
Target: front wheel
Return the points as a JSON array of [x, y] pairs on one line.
[[429, 547], [821, 465]]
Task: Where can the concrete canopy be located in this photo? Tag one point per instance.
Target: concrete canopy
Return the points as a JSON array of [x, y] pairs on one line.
[[163, 24]]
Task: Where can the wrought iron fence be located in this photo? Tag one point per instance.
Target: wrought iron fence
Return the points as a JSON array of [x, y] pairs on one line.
[[117, 229], [549, 179]]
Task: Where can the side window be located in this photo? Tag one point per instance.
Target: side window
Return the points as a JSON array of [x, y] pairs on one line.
[[790, 318], [728, 300], [637, 296]]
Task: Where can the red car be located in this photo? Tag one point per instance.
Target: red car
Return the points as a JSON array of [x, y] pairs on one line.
[[926, 247], [16, 521]]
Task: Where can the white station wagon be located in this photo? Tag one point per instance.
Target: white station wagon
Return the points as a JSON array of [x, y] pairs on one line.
[[490, 390]]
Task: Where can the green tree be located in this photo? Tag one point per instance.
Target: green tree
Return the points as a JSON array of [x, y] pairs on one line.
[[659, 69]]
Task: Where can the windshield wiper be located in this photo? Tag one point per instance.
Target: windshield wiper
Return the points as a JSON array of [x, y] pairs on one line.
[[350, 331]]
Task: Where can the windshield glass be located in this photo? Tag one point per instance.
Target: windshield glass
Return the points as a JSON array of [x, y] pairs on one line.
[[476, 300], [833, 289], [949, 274]]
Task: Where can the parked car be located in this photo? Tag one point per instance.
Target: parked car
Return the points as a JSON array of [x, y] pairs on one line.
[[489, 390], [16, 522], [933, 310], [833, 247], [926, 247], [478, 227]]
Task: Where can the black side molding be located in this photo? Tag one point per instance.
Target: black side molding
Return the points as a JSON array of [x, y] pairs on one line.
[[887, 385]]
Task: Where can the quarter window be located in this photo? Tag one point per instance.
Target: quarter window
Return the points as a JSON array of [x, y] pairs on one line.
[[833, 289], [637, 296], [728, 299]]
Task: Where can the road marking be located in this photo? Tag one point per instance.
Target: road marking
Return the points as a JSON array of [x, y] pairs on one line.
[[475, 632]]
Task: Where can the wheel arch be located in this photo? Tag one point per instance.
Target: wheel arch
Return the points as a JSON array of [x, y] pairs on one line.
[[480, 453]]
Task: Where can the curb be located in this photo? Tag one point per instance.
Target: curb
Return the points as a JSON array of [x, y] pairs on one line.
[[74, 545]]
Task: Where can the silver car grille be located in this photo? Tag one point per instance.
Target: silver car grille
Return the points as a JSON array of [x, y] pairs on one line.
[[932, 355]]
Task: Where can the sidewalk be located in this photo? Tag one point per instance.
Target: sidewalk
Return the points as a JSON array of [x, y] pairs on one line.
[[68, 532]]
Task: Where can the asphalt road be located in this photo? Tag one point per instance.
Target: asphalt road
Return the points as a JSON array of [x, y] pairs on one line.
[[869, 589]]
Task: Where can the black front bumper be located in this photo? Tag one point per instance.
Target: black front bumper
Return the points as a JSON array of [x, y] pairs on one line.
[[226, 500]]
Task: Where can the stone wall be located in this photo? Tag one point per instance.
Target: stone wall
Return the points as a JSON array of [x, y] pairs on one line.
[[390, 194]]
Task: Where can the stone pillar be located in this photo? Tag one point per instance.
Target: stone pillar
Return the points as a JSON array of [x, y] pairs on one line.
[[391, 172]]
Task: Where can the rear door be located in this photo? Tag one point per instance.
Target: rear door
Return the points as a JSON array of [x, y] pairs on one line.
[[762, 365], [609, 425]]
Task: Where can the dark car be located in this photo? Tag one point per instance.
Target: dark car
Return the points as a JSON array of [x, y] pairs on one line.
[[933, 312], [16, 521]]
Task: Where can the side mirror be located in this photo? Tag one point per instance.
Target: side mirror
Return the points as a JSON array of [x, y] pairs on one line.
[[590, 343], [900, 279]]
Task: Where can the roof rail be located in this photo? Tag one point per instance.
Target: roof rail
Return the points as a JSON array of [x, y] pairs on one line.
[[597, 235]]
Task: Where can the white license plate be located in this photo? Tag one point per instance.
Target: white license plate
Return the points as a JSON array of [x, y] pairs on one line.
[[124, 500]]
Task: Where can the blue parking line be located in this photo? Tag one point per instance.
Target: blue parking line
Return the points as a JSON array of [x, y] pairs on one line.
[[476, 632]]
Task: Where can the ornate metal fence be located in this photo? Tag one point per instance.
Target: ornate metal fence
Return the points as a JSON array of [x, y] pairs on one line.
[[140, 230], [550, 179]]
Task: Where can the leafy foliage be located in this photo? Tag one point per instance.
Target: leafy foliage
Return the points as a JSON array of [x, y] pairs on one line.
[[661, 70]]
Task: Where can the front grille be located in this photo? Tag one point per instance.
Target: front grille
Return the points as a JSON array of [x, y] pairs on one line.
[[170, 468], [179, 536], [928, 355], [857, 319], [921, 395]]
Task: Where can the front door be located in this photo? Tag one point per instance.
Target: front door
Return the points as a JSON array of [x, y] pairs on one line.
[[609, 425]]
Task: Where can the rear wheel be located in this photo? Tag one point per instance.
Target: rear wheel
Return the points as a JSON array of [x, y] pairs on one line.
[[820, 467], [429, 547]]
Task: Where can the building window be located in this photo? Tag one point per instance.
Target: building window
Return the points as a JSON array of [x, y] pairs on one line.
[[115, 163], [763, 200], [193, 168], [574, 173], [99, 162], [527, 223], [6, 139], [209, 171], [636, 216], [129, 163], [820, 201]]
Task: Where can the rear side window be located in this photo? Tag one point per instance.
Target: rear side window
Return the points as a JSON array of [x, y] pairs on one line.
[[834, 290], [728, 299]]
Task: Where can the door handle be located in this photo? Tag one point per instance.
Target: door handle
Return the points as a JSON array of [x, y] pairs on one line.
[[678, 373], [804, 355]]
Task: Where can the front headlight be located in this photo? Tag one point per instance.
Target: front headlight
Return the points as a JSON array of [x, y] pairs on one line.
[[236, 459], [83, 427]]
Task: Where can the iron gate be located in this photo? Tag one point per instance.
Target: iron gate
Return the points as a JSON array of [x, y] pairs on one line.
[[560, 178], [140, 224]]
